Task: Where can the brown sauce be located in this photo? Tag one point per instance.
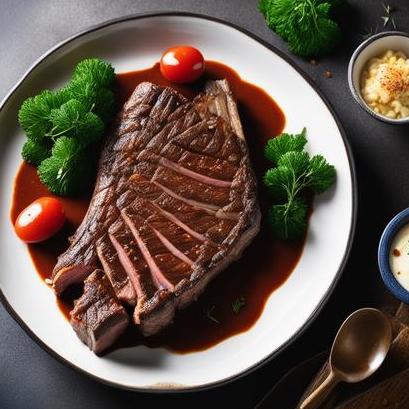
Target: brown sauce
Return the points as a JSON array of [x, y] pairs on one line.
[[264, 266]]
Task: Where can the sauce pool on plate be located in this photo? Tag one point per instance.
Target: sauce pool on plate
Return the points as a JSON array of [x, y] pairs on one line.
[[233, 302]]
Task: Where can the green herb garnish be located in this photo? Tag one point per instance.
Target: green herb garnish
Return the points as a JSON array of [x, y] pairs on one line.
[[94, 98], [209, 312], [276, 147], [68, 169], [95, 70], [294, 173], [238, 304], [35, 152], [61, 125], [388, 16], [34, 114], [369, 32], [72, 119], [306, 25]]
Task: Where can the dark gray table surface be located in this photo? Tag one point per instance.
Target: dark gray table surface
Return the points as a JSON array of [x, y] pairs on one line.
[[30, 378]]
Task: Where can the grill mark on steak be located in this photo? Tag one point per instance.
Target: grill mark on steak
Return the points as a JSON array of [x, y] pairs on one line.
[[178, 183], [174, 203], [192, 189], [216, 211], [184, 226], [132, 261], [186, 243], [216, 141], [168, 268], [172, 248], [194, 175], [207, 207], [200, 220], [72, 266], [113, 268], [158, 277], [214, 167], [194, 218]]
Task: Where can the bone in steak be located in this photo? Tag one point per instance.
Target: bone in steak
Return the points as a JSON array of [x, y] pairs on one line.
[[174, 203]]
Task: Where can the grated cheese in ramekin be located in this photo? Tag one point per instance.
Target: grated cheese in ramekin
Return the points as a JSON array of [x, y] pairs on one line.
[[385, 84]]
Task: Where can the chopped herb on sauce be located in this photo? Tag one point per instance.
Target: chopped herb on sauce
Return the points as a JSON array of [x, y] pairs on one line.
[[238, 304], [209, 314]]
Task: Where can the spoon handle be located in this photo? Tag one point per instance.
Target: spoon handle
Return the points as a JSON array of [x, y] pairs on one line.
[[317, 397]]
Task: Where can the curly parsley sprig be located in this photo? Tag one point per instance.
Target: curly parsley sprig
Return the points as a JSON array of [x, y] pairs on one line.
[[294, 173], [62, 125], [306, 25], [67, 168]]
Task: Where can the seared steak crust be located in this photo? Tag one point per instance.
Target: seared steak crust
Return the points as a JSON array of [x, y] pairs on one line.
[[174, 202], [98, 318]]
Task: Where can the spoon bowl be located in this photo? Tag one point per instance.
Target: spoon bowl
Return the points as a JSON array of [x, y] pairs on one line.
[[359, 348], [361, 345]]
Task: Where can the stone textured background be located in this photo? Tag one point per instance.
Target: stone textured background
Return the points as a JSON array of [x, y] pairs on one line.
[[30, 378]]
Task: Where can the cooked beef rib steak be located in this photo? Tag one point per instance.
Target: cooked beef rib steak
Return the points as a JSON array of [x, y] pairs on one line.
[[175, 202], [98, 317]]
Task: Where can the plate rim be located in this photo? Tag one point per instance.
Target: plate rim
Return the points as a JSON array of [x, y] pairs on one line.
[[354, 184]]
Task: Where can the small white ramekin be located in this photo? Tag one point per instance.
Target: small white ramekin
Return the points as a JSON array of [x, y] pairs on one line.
[[375, 46]]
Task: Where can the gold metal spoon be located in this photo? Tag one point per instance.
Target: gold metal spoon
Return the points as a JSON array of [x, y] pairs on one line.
[[359, 349]]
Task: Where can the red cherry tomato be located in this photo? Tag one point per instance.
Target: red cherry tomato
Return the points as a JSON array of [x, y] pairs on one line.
[[182, 64], [40, 220]]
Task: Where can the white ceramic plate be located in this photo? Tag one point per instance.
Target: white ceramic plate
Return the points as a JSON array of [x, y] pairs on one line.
[[133, 43]]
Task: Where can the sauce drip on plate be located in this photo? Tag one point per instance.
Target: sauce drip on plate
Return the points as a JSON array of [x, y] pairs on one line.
[[234, 301]]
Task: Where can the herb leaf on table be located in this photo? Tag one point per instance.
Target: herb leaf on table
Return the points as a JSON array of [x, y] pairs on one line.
[[306, 25]]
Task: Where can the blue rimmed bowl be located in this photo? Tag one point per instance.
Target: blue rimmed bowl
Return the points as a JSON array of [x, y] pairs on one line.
[[390, 232]]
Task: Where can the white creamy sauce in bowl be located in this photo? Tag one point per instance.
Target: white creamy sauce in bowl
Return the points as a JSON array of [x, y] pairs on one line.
[[399, 256]]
